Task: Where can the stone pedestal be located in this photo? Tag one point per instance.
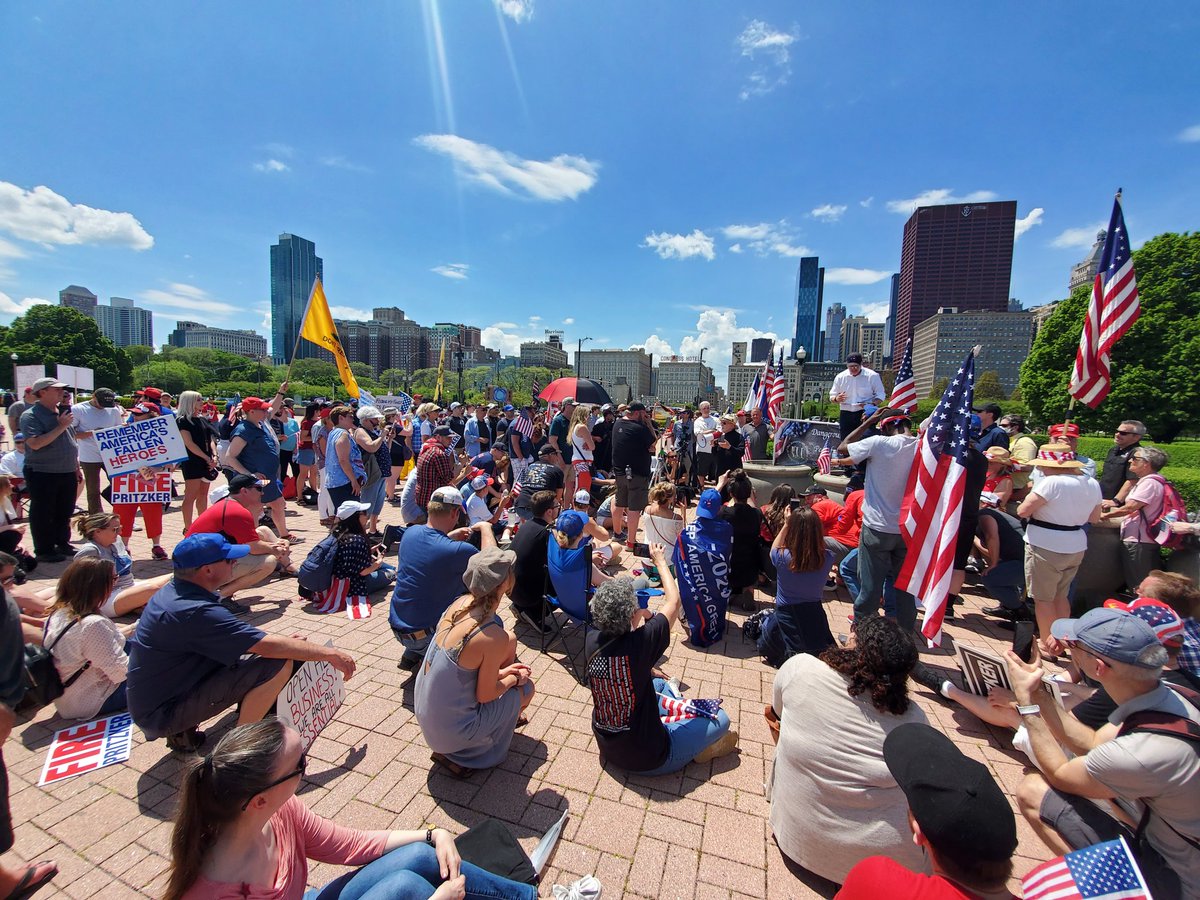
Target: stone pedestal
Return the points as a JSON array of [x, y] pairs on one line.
[[766, 477]]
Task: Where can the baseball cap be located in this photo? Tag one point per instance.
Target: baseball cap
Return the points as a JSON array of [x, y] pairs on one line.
[[152, 393], [240, 482], [455, 405], [607, 407], [42, 383], [547, 451], [894, 420], [447, 495], [492, 406], [814, 491], [106, 397], [993, 408], [1110, 633], [248, 403], [709, 504], [349, 508], [487, 569], [443, 431], [19, 436], [205, 549], [636, 406], [1164, 620], [570, 523], [508, 407], [479, 482], [568, 401], [583, 497], [854, 358], [1064, 429], [954, 798], [144, 409]]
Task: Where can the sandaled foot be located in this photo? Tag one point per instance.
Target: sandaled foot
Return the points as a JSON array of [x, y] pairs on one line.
[[522, 720], [33, 879], [452, 767]]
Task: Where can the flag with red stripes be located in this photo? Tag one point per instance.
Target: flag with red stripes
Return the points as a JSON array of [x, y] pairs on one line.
[[765, 386], [825, 459], [333, 599], [904, 394], [676, 709], [522, 424], [358, 607], [778, 392], [933, 500], [1113, 310]]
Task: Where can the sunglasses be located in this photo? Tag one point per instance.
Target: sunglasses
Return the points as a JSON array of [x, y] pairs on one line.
[[1126, 433], [301, 765]]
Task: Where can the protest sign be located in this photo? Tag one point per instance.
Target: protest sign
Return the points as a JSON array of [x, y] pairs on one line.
[[133, 488], [26, 376], [982, 670], [87, 747], [153, 442], [311, 698], [79, 377], [798, 442]]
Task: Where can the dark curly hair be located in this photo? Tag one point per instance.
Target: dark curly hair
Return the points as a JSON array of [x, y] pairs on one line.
[[880, 663]]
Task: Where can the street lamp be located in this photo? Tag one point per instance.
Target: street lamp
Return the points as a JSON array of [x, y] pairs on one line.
[[16, 390], [578, 350], [801, 356]]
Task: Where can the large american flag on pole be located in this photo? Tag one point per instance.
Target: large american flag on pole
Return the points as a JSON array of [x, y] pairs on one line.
[[778, 392], [1104, 871], [1113, 310], [752, 396], [904, 394], [766, 387], [932, 506]]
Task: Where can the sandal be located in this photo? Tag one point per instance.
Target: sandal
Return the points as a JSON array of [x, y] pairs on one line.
[[292, 538], [28, 885], [158, 552], [522, 721], [452, 767]]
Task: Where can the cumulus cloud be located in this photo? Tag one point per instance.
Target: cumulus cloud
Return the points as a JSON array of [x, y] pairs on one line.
[[656, 345], [517, 10], [456, 271], [561, 178], [829, 212], [188, 297], [735, 248], [855, 276], [866, 204], [766, 238], [1190, 135], [1078, 238], [503, 336], [9, 250], [271, 165], [937, 197], [715, 331], [1025, 223], [768, 48], [45, 217], [875, 312], [569, 320], [680, 246], [11, 307]]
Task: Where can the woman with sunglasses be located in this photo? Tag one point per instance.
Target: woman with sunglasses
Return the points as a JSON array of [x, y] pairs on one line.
[[101, 533], [242, 832]]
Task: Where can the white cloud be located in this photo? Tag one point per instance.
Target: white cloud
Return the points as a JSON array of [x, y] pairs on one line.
[[1024, 224], [188, 297], [507, 326], [535, 319], [829, 212], [768, 48], [866, 204], [569, 321], [43, 216], [517, 10], [457, 271], [278, 149], [875, 312], [10, 250], [766, 238], [340, 162], [855, 276], [264, 309], [271, 165], [735, 248], [350, 312], [503, 336], [561, 178], [680, 246], [937, 197], [715, 331], [10, 307], [656, 345], [1078, 238], [1190, 135]]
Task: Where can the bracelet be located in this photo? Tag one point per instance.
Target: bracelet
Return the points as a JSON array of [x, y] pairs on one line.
[[429, 836], [1030, 709]]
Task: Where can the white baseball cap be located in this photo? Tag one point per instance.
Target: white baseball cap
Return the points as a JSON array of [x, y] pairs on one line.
[[583, 497]]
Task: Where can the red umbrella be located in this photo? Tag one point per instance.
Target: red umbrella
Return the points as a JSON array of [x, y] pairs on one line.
[[584, 390]]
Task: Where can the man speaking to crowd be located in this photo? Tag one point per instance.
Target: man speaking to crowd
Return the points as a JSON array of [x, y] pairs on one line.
[[852, 390]]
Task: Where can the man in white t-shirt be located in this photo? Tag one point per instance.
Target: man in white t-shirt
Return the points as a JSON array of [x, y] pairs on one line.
[[97, 413], [705, 427], [852, 390], [1060, 503]]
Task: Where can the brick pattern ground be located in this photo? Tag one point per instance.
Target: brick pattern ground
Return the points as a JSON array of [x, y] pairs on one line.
[[700, 833]]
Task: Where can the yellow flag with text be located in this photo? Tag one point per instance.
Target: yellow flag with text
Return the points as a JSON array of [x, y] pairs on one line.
[[441, 376], [318, 328]]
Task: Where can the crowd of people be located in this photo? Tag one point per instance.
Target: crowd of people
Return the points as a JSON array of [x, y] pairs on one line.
[[544, 510]]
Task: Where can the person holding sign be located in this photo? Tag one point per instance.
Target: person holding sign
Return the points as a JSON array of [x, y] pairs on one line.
[[51, 460], [145, 490], [254, 450]]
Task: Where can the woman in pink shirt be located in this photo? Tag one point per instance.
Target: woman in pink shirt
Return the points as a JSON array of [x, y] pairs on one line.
[[242, 833]]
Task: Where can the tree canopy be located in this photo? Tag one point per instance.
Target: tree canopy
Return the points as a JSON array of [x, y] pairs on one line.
[[988, 386], [53, 335], [1155, 376]]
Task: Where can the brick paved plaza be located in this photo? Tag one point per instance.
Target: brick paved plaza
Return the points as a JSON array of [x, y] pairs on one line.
[[700, 833]]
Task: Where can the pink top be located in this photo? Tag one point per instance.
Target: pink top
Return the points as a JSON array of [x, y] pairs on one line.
[[1135, 527], [300, 836]]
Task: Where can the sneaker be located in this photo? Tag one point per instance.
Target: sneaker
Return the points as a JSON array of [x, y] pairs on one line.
[[409, 662], [238, 609], [932, 678], [541, 626], [158, 552], [52, 557], [189, 741], [586, 888], [726, 744]]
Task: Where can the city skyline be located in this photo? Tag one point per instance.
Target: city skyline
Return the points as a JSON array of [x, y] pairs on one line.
[[525, 166]]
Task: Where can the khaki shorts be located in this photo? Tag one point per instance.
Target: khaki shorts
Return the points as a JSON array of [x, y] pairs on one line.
[[633, 492], [1048, 574], [247, 564]]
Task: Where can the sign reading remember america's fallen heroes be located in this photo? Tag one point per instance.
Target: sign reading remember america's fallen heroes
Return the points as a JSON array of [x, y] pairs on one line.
[[798, 442], [311, 698], [140, 445]]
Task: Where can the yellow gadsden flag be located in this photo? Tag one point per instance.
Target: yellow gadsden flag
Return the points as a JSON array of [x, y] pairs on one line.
[[318, 328], [441, 376]]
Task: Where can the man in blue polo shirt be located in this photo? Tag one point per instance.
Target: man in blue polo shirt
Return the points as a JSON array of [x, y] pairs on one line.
[[190, 658]]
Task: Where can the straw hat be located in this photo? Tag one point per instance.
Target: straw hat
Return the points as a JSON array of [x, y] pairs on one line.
[[1057, 456], [1000, 454]]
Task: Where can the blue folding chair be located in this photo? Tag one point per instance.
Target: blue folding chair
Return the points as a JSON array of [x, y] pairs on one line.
[[568, 590]]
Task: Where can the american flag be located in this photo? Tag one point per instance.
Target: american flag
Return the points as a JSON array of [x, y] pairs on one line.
[[752, 396], [825, 459], [338, 598], [676, 710], [522, 424], [358, 607], [403, 401], [1113, 310], [904, 394], [766, 385], [778, 392], [366, 398], [1104, 871], [536, 388], [933, 499]]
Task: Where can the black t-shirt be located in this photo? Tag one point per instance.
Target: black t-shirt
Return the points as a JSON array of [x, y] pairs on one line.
[[1012, 539], [744, 558], [624, 706], [199, 431], [539, 476], [730, 457], [602, 435], [457, 424], [632, 443], [1116, 470], [530, 567]]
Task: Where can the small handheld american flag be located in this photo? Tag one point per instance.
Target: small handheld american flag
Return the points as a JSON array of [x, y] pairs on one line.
[[676, 710], [1104, 871], [825, 460], [904, 394], [522, 424], [536, 388]]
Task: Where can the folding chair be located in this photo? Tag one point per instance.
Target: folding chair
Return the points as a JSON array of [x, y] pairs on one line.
[[568, 590]]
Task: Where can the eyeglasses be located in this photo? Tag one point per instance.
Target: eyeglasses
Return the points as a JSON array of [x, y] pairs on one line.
[[1127, 433], [301, 765], [11, 579]]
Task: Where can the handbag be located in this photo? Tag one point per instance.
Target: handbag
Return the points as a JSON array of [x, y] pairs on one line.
[[492, 847], [42, 682]]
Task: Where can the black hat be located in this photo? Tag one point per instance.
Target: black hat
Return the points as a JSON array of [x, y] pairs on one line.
[[636, 406], [814, 491], [955, 799], [240, 482], [854, 358], [443, 431], [547, 451], [993, 408]]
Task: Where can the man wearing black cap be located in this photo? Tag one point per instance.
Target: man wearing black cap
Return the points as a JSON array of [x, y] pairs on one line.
[[852, 390], [990, 433], [957, 814], [633, 445], [543, 475], [51, 460], [97, 413]]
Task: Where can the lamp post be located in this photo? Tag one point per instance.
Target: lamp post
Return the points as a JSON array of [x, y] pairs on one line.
[[16, 388], [801, 356], [579, 350]]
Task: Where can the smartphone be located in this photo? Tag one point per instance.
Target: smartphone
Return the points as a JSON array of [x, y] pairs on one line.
[[641, 550], [795, 503], [1022, 643]]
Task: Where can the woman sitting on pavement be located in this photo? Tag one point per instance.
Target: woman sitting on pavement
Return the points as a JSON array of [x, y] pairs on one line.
[[999, 474], [833, 801], [745, 561], [471, 691], [353, 564], [87, 646], [799, 623], [241, 831], [101, 533], [626, 690], [661, 523]]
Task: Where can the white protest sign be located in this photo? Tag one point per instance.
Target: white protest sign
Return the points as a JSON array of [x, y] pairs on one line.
[[79, 377], [311, 698], [26, 376], [87, 747], [133, 488], [152, 442]]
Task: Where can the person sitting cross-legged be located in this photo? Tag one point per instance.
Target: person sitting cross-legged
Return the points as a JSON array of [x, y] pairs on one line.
[[190, 658]]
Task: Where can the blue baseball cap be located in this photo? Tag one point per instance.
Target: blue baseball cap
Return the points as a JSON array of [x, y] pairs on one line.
[[508, 407], [570, 523], [1111, 633], [205, 549], [709, 504]]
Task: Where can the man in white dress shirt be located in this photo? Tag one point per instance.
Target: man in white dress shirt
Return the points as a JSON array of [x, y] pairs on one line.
[[852, 390]]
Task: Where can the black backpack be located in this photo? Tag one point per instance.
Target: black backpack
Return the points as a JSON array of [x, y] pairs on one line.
[[316, 572], [42, 682]]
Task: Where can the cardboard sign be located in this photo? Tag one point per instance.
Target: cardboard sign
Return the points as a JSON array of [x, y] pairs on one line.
[[133, 488], [26, 376], [311, 698], [798, 442], [79, 377], [153, 442], [87, 747], [982, 670]]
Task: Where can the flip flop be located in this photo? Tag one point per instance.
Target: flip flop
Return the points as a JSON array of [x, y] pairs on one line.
[[452, 767], [292, 538], [522, 720], [28, 885]]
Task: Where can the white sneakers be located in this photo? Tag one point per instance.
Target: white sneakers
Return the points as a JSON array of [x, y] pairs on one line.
[[586, 888]]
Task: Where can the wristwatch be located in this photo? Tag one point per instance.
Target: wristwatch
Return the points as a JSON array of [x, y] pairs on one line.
[[1031, 709]]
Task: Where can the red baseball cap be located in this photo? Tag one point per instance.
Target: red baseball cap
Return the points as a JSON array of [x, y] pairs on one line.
[[251, 403], [1064, 429]]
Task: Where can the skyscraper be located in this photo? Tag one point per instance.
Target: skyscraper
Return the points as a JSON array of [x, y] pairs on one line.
[[890, 350], [124, 324], [810, 289], [958, 255], [294, 267], [834, 317], [77, 297]]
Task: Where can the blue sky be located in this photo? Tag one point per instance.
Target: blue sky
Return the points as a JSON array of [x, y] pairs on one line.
[[637, 173]]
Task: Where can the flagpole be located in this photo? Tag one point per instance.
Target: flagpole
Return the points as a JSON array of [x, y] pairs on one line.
[[300, 328]]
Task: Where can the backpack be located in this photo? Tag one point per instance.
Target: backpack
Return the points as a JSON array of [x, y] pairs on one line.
[[43, 685], [316, 572], [1173, 510]]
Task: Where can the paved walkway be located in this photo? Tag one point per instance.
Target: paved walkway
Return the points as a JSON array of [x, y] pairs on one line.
[[701, 833]]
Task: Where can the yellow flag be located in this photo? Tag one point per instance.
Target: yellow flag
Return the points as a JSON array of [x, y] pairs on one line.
[[437, 393], [318, 328]]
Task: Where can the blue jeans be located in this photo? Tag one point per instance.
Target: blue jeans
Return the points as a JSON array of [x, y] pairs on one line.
[[880, 557], [411, 872], [688, 737], [1005, 581], [115, 703], [374, 496], [848, 569]]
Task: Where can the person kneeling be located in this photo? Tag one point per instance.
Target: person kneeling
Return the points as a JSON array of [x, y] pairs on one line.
[[190, 658], [627, 707]]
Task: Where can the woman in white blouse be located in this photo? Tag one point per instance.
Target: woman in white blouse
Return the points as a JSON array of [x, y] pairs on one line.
[[85, 644]]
